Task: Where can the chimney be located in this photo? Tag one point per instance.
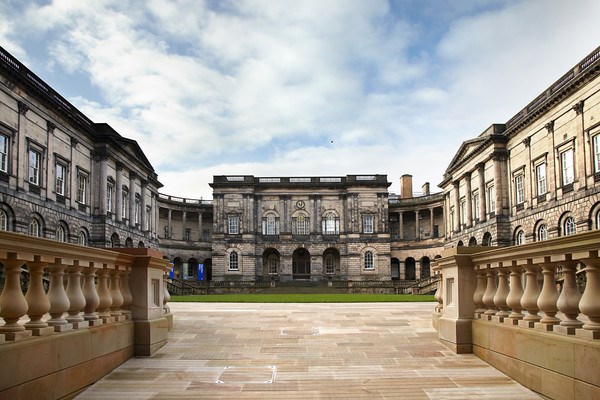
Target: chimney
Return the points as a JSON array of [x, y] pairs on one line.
[[406, 186], [425, 189]]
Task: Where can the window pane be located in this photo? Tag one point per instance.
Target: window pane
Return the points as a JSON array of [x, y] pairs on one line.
[[3, 221], [568, 173], [234, 225], [519, 189], [596, 144], [540, 172], [81, 188], [542, 233], [369, 260], [3, 153], [34, 167], [368, 223], [233, 260]]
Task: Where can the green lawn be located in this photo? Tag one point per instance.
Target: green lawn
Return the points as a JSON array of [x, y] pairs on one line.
[[302, 298]]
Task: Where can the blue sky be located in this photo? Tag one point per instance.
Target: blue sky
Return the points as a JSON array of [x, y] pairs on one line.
[[300, 87]]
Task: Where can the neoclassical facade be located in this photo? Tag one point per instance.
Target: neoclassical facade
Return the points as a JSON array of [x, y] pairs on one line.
[[535, 177]]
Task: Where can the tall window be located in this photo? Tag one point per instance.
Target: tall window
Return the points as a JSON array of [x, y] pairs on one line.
[[331, 224], [233, 261], [109, 197], [35, 161], [368, 223], [463, 212], [234, 225], [61, 173], [61, 235], [369, 260], [272, 264], [491, 197], [520, 238], [329, 264], [34, 227], [300, 225], [566, 162], [270, 225], [3, 221], [569, 226], [82, 239], [136, 211], [476, 213], [540, 177], [596, 149], [519, 189], [82, 182], [3, 153], [598, 219], [542, 233], [124, 202]]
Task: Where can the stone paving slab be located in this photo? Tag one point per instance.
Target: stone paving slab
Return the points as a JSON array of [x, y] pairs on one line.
[[305, 351]]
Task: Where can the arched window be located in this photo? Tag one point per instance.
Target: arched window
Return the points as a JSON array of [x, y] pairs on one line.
[[598, 219], [233, 261], [270, 225], [520, 237], [300, 225], [82, 239], [569, 226], [369, 260], [331, 224], [272, 264], [487, 239], [61, 235], [542, 233], [34, 227], [3, 220], [329, 264]]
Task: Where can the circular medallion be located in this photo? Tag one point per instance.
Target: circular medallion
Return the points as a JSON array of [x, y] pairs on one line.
[[300, 204]]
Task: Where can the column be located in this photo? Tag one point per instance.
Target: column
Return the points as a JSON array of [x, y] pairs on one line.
[[104, 294], [431, 224], [103, 183], [479, 291], [490, 292], [119, 193], [200, 231], [115, 294], [468, 201], [515, 294], [132, 176], [169, 228], [481, 193], [417, 233], [183, 224], [126, 292], [500, 157], [400, 226], [530, 295], [143, 222], [456, 222], [501, 295]]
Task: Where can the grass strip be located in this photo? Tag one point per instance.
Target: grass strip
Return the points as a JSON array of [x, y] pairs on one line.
[[302, 298]]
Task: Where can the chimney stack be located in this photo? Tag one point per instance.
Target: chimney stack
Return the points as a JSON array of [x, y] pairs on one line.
[[406, 186], [425, 189]]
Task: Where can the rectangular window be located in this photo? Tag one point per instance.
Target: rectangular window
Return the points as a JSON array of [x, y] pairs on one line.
[[136, 211], [82, 181], [234, 225], [61, 173], [4, 153], [491, 199], [596, 149], [519, 189], [566, 162], [124, 202], [475, 203], [188, 234], [540, 177], [463, 212], [300, 225], [35, 161], [368, 223], [109, 197]]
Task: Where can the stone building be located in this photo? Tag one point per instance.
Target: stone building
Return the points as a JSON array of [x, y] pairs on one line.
[[535, 177], [65, 177]]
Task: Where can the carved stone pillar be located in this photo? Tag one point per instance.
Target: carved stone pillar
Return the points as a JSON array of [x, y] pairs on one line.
[[76, 297], [502, 294], [481, 192], [13, 304], [59, 301], [515, 294], [456, 222], [92, 300], [590, 301], [126, 292], [548, 297], [490, 292], [479, 291], [104, 294], [36, 298], [530, 296], [568, 301], [468, 201], [115, 293]]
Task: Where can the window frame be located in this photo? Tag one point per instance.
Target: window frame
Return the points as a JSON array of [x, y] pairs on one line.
[[34, 227], [475, 202], [368, 221], [330, 224], [491, 198], [329, 264], [369, 260], [34, 171], [542, 233], [61, 234], [520, 188], [569, 226], [541, 181], [596, 152], [567, 166], [3, 220], [233, 224], [82, 186], [234, 261], [110, 190], [4, 153], [520, 237]]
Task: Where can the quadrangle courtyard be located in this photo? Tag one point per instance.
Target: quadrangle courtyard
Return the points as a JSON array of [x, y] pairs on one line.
[[305, 351]]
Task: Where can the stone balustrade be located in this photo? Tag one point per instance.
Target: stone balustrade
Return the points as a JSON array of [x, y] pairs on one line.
[[522, 308], [101, 306]]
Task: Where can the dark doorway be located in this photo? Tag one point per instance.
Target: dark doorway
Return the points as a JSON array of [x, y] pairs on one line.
[[301, 264]]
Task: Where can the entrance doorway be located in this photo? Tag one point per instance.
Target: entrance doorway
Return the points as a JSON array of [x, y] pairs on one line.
[[301, 264]]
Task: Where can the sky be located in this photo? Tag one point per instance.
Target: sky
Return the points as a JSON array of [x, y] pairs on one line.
[[299, 87]]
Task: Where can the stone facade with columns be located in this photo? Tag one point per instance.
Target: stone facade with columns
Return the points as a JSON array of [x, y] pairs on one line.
[[535, 177]]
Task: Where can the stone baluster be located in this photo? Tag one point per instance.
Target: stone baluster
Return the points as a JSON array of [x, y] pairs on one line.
[[590, 301], [59, 301], [115, 294], [490, 292], [126, 292], [92, 300], [76, 297], [37, 300], [530, 296], [515, 294], [166, 295], [13, 304], [479, 291], [548, 297], [439, 295], [104, 294], [502, 294], [568, 301]]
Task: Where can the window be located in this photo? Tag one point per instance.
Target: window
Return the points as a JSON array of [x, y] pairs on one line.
[[476, 213], [331, 224], [566, 162], [35, 161], [491, 197], [540, 177], [82, 239], [61, 235], [368, 223], [124, 202], [270, 225], [598, 220], [520, 238], [519, 189], [136, 211], [463, 212], [234, 225], [272, 264], [34, 227], [4, 153], [82, 181], [329, 264], [542, 233], [596, 150], [300, 225], [569, 226], [61, 173], [369, 260], [188, 234], [109, 197], [3, 221], [233, 261]]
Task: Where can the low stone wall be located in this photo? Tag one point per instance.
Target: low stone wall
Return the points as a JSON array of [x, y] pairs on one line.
[[60, 366]]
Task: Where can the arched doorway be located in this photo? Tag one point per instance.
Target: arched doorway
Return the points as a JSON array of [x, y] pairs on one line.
[[301, 264], [409, 269], [208, 269], [177, 268], [331, 262], [425, 270], [395, 269], [271, 263], [192, 269]]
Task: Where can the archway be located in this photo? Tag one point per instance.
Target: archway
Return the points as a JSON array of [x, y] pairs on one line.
[[115, 241], [301, 264], [395, 263], [271, 262], [331, 261], [472, 241], [425, 270], [129, 242], [192, 269], [177, 268], [487, 239], [409, 269]]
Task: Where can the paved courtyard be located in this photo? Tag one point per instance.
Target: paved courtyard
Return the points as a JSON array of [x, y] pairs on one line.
[[305, 351]]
